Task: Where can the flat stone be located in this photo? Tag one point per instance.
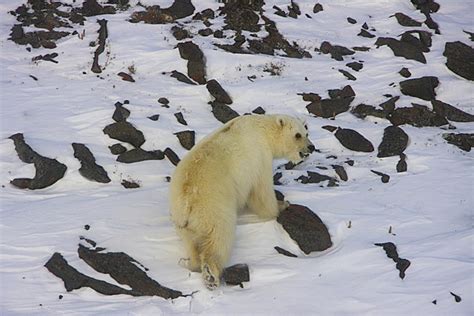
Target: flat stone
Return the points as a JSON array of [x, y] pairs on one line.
[[236, 274], [47, 171], [394, 142], [353, 140], [460, 59], [89, 168], [216, 90], [186, 139], [223, 112], [450, 112], [305, 228], [125, 132], [124, 270], [423, 88], [464, 141], [138, 154]]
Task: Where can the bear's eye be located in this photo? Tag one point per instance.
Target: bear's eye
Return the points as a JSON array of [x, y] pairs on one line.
[[298, 136]]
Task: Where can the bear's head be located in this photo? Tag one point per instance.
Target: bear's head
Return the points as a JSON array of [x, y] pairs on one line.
[[294, 143]]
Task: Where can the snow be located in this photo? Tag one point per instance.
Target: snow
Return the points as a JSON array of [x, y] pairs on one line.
[[429, 207]]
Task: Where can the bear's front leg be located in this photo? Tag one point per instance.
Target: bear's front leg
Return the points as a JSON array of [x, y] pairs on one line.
[[262, 200]]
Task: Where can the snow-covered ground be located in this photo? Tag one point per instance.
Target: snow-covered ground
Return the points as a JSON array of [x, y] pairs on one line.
[[429, 208]]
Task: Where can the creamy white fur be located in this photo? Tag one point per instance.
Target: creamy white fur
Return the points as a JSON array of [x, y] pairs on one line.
[[230, 169]]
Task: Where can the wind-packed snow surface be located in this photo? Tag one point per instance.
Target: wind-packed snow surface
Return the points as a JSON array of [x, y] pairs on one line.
[[426, 211]]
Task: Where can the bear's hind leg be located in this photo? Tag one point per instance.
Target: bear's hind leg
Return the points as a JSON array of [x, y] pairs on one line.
[[193, 263], [214, 251]]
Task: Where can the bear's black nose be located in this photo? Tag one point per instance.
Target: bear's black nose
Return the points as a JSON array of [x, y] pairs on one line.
[[311, 148]]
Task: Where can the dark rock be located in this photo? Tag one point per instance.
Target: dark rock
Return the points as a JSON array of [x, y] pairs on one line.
[[471, 35], [405, 20], [46, 57], [345, 92], [363, 110], [117, 149], [365, 33], [341, 172], [361, 48], [123, 269], [337, 52], [365, 26], [207, 14], [402, 48], [216, 90], [328, 108], [457, 298], [181, 77], [154, 117], [329, 128], [180, 33], [402, 265], [138, 154], [310, 97], [404, 72], [205, 32], [92, 8], [120, 114], [125, 132], [276, 178], [285, 252], [130, 184], [195, 57], [355, 65], [259, 110], [279, 196], [347, 74], [351, 20], [306, 228], [418, 115], [156, 15], [463, 141], [402, 164], [350, 162], [126, 77], [394, 142], [460, 59], [385, 177], [190, 51], [353, 140], [279, 11], [180, 118], [172, 156], [48, 171], [87, 227], [423, 88], [103, 34], [74, 280], [218, 34], [432, 24], [450, 112], [294, 10], [163, 101], [89, 168], [318, 8], [186, 139], [242, 16], [314, 177], [179, 9], [223, 112], [236, 274], [197, 71], [389, 105]]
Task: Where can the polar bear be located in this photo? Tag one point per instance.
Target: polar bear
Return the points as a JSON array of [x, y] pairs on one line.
[[228, 170]]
